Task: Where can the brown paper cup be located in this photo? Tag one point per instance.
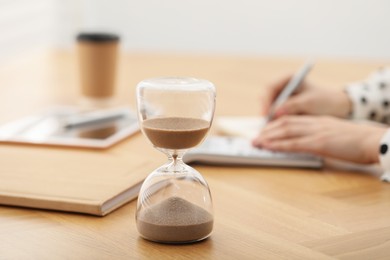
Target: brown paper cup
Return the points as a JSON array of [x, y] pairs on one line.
[[98, 54]]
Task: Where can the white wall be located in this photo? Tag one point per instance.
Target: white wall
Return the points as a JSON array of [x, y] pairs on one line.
[[26, 26], [341, 28], [337, 28]]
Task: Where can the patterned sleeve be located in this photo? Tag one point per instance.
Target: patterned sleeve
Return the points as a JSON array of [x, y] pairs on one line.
[[384, 156], [371, 98]]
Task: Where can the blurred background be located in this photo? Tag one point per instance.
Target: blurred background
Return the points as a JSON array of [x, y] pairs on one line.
[[357, 29]]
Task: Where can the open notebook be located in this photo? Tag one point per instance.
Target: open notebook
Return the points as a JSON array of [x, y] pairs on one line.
[[69, 180], [240, 126]]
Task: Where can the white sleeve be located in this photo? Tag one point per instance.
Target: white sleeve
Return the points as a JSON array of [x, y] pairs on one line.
[[371, 98], [384, 156]]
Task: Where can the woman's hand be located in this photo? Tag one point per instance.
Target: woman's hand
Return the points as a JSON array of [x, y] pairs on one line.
[[308, 100], [324, 136]]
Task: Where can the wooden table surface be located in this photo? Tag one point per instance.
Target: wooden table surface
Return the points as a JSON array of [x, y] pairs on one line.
[[260, 212]]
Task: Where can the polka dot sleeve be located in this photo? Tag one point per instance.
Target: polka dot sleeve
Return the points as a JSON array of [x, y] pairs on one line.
[[371, 98], [384, 156]]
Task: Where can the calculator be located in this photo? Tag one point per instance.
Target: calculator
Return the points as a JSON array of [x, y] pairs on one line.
[[223, 150]]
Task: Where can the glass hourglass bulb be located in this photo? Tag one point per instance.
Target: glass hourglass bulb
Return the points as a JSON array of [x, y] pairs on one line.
[[174, 203]]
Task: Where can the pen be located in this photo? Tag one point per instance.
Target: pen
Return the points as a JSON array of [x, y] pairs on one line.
[[291, 86]]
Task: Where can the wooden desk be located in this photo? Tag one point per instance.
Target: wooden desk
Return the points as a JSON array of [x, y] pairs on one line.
[[260, 213]]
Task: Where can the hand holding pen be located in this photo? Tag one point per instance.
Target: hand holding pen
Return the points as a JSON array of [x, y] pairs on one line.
[[286, 103], [306, 99], [310, 122], [288, 89]]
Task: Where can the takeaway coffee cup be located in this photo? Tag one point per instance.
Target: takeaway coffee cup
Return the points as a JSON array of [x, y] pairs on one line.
[[98, 55]]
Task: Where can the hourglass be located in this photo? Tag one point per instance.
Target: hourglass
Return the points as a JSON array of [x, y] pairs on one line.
[[174, 203]]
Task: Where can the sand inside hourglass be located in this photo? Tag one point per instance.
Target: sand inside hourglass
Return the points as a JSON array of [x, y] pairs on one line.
[[175, 132], [175, 220]]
